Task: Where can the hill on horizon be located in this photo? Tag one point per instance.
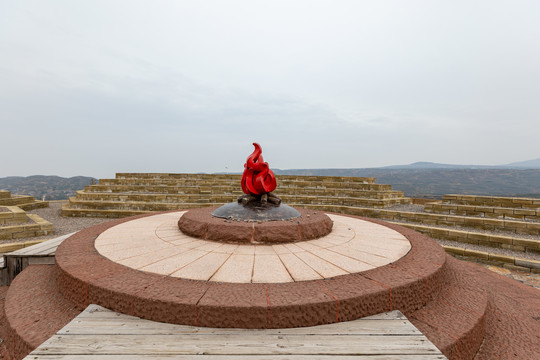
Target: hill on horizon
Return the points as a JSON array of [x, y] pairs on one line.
[[51, 186], [528, 164], [433, 183]]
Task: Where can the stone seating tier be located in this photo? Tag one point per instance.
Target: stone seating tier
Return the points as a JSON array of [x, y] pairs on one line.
[[207, 183], [510, 213], [124, 202], [15, 223], [24, 202], [12, 215], [131, 194], [15, 200], [495, 207], [495, 201], [236, 177], [371, 191], [219, 194], [34, 225]]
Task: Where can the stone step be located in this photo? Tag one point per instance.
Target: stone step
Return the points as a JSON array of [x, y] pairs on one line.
[[510, 213], [509, 226], [12, 215], [15, 200], [125, 206], [238, 176], [456, 320], [489, 257], [125, 203], [495, 201], [35, 310], [235, 190], [155, 198], [514, 243], [4, 194], [236, 183], [37, 226], [34, 205], [219, 197], [73, 212]]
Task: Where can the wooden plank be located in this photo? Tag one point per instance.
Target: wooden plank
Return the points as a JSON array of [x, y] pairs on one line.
[[45, 248], [239, 357], [41, 260], [238, 344], [98, 333], [126, 327], [95, 311], [38, 248]]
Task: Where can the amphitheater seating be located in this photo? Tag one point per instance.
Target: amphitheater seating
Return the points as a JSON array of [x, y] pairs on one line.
[[131, 194], [494, 207], [24, 202], [15, 223]]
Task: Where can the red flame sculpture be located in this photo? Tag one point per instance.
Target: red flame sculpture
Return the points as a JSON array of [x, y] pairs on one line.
[[257, 178]]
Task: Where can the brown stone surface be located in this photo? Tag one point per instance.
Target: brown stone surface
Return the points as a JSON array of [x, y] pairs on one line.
[[4, 329], [457, 315], [34, 310], [201, 224], [84, 277], [243, 306]]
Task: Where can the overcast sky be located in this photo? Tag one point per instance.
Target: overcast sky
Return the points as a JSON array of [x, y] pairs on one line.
[[98, 87]]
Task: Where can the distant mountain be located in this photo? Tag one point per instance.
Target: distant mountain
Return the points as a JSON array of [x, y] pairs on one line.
[[50, 187], [432, 165], [529, 164], [433, 183]]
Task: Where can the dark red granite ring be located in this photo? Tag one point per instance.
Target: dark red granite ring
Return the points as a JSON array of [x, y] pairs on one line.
[[85, 277], [201, 224]]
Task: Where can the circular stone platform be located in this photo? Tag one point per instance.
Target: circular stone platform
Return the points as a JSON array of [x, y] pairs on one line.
[[155, 245], [201, 223], [145, 266]]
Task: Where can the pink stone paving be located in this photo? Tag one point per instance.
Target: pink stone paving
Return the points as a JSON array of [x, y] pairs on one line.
[[155, 244]]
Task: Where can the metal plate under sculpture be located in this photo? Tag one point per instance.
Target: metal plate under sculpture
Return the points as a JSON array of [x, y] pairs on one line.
[[256, 211]]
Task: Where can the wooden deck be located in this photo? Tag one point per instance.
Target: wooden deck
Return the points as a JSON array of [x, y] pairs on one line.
[[14, 262], [98, 333], [46, 248]]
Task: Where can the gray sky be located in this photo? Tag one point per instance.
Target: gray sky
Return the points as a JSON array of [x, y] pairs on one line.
[[98, 87]]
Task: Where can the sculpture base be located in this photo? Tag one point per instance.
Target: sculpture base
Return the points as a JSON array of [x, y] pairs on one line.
[[202, 224], [256, 211]]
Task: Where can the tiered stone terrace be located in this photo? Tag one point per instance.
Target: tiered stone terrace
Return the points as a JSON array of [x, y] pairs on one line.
[[24, 202], [15, 223], [132, 194], [493, 207]]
